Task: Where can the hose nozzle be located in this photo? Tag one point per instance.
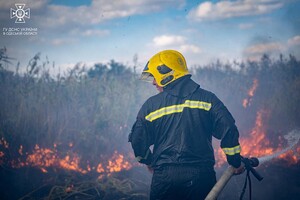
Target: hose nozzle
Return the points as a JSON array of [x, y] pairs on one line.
[[249, 164], [254, 162]]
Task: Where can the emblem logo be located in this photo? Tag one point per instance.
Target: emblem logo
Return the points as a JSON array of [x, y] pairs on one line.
[[20, 13]]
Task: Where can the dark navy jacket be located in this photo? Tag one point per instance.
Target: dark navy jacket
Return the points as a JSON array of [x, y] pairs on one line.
[[180, 123]]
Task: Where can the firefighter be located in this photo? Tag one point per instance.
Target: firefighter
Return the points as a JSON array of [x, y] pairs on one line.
[[180, 122]]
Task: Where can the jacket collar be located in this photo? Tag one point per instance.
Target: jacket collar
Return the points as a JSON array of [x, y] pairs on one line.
[[182, 87]]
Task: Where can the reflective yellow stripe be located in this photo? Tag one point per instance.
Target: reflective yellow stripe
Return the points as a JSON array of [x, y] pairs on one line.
[[232, 151], [177, 109]]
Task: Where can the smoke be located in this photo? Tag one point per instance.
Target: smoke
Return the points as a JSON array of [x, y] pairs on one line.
[[292, 139]]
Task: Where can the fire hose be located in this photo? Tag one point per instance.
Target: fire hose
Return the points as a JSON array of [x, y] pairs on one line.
[[292, 137], [249, 164]]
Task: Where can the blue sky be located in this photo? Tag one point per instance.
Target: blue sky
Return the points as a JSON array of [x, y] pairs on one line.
[[94, 31]]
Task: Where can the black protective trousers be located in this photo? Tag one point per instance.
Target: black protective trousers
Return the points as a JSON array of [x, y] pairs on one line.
[[181, 183]]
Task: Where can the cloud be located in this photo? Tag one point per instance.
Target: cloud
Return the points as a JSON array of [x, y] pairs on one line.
[[48, 15], [264, 48], [295, 41], [245, 26], [255, 52], [230, 9], [290, 46], [102, 10], [168, 40], [32, 4], [190, 48], [52, 41], [6, 6], [90, 32], [60, 42], [175, 42], [95, 32]]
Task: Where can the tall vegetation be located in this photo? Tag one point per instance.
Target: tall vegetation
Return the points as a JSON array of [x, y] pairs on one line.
[[277, 92], [90, 111], [94, 108]]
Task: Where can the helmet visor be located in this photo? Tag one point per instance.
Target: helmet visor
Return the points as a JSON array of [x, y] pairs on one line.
[[146, 76]]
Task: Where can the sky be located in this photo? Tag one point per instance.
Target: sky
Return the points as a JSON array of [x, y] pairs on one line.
[[68, 32]]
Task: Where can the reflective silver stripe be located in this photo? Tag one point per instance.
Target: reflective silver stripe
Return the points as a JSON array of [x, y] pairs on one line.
[[177, 109], [232, 151]]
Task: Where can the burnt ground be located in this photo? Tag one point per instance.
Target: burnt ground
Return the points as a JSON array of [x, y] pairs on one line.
[[281, 181]]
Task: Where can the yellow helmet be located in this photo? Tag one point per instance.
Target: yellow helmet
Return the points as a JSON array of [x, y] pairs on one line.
[[165, 67]]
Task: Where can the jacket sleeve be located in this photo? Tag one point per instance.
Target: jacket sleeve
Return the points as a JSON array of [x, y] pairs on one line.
[[224, 128], [141, 140]]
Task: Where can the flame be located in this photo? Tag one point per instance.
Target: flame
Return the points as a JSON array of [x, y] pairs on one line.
[[100, 168], [71, 163], [44, 158], [117, 163], [247, 101], [48, 158], [257, 144]]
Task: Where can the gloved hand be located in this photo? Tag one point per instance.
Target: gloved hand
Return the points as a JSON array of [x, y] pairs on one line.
[[239, 170]]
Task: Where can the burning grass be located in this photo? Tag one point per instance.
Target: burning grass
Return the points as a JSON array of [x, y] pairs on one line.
[[45, 158], [65, 137]]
